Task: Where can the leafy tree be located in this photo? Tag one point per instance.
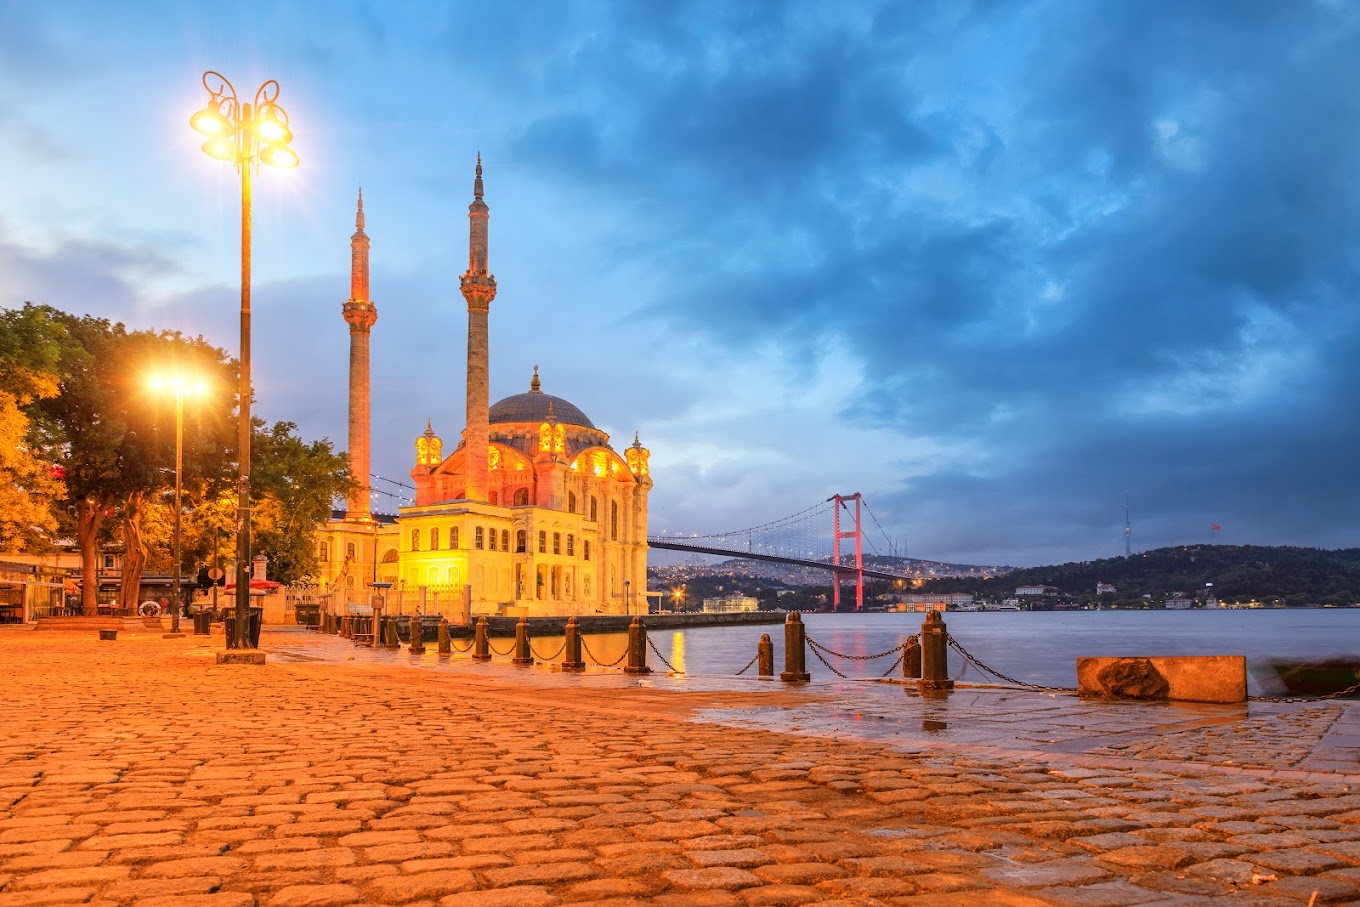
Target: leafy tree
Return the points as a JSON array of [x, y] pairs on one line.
[[31, 342], [110, 430], [293, 488]]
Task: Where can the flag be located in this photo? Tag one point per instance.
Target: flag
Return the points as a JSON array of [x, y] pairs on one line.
[[1215, 527]]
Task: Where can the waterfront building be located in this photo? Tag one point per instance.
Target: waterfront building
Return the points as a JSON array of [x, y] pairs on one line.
[[532, 513], [730, 604]]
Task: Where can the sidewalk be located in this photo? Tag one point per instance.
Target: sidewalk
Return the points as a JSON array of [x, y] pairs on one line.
[[140, 772]]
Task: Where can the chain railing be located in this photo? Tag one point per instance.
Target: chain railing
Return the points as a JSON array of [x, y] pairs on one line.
[[986, 670], [560, 649], [657, 652], [506, 654], [585, 647], [821, 651], [748, 665]]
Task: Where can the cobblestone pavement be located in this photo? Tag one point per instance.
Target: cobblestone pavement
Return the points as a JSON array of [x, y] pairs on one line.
[[140, 772]]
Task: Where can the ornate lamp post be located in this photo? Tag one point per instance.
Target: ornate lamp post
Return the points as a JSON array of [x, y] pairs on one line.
[[246, 135], [181, 387]]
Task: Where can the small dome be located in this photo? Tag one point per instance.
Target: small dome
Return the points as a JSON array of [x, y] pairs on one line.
[[533, 407]]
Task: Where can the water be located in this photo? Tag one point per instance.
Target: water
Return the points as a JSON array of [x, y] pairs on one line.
[[1038, 647]]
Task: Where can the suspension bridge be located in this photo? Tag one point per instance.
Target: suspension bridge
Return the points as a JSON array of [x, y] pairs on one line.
[[799, 539]]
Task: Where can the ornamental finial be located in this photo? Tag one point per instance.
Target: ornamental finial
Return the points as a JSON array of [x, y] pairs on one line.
[[534, 386]]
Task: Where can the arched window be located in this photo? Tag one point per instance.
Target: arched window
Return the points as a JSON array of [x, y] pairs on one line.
[[505, 539], [349, 550], [491, 542], [415, 539], [594, 505], [434, 539], [542, 542], [557, 543], [453, 537], [323, 553], [571, 502], [613, 521], [571, 545], [519, 541], [521, 497], [478, 538], [495, 498], [585, 554]]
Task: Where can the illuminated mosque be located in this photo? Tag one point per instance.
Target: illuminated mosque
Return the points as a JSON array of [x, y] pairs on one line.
[[532, 513]]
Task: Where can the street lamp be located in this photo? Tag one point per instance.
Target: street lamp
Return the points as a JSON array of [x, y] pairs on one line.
[[627, 597], [247, 135], [181, 387]]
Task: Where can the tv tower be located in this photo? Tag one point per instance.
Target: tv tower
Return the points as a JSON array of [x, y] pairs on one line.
[[1128, 530]]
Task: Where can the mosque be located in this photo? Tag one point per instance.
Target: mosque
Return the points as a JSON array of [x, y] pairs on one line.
[[533, 513]]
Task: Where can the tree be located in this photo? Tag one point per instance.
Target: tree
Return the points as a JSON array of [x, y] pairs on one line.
[[106, 423], [294, 485], [31, 342]]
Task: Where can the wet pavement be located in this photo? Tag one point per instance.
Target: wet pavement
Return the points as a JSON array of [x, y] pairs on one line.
[[140, 772]]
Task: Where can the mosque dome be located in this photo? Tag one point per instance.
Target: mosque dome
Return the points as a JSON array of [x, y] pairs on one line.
[[533, 407]]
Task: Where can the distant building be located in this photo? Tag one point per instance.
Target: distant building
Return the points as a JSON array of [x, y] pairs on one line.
[[1178, 601], [1102, 588], [1023, 591], [730, 604]]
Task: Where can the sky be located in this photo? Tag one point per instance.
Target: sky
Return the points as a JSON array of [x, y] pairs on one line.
[[994, 265]]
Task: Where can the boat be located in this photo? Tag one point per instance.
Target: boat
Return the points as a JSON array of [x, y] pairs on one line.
[[1320, 678]]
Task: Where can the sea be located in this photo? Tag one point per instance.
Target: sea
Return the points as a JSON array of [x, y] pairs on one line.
[[1034, 647]]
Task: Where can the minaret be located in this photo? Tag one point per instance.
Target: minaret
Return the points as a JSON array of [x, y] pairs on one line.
[[360, 313], [479, 288]]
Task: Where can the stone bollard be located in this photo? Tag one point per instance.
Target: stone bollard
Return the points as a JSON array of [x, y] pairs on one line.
[[911, 658], [522, 654], [795, 654], [445, 643], [571, 650], [345, 631], [417, 646], [765, 656], [375, 628], [481, 649], [637, 648], [934, 656], [390, 640], [107, 635]]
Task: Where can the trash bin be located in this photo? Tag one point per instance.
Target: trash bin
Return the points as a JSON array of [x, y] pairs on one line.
[[256, 618], [307, 614], [202, 623]]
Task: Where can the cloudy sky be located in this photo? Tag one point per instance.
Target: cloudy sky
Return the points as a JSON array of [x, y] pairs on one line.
[[993, 265]]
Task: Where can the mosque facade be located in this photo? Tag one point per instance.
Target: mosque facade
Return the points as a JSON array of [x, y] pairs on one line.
[[533, 512]]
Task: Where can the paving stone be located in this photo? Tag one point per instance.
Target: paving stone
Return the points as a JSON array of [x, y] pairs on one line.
[[724, 877], [400, 889], [314, 896], [1296, 861]]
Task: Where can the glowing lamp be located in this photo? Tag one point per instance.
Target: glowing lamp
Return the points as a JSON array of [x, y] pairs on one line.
[[278, 156], [209, 121], [220, 147]]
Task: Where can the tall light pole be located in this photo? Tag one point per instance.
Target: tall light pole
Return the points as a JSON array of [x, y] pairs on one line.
[[181, 387], [247, 135]]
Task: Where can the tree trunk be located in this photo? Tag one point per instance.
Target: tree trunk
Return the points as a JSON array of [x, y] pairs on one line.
[[134, 557], [89, 517]]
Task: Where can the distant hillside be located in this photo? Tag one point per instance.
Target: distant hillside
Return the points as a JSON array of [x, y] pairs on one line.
[[1231, 572]]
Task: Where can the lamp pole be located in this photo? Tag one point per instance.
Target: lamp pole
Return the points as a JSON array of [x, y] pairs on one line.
[[627, 596], [179, 487], [246, 135]]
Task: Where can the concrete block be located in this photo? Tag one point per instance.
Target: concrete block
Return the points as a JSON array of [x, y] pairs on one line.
[[1187, 678], [241, 657]]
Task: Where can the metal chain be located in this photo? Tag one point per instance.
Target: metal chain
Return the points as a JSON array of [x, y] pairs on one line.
[[509, 651], [458, 650], [748, 666], [827, 663], [968, 657], [591, 655], [816, 645], [657, 652], [1353, 688], [560, 649], [893, 667]]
